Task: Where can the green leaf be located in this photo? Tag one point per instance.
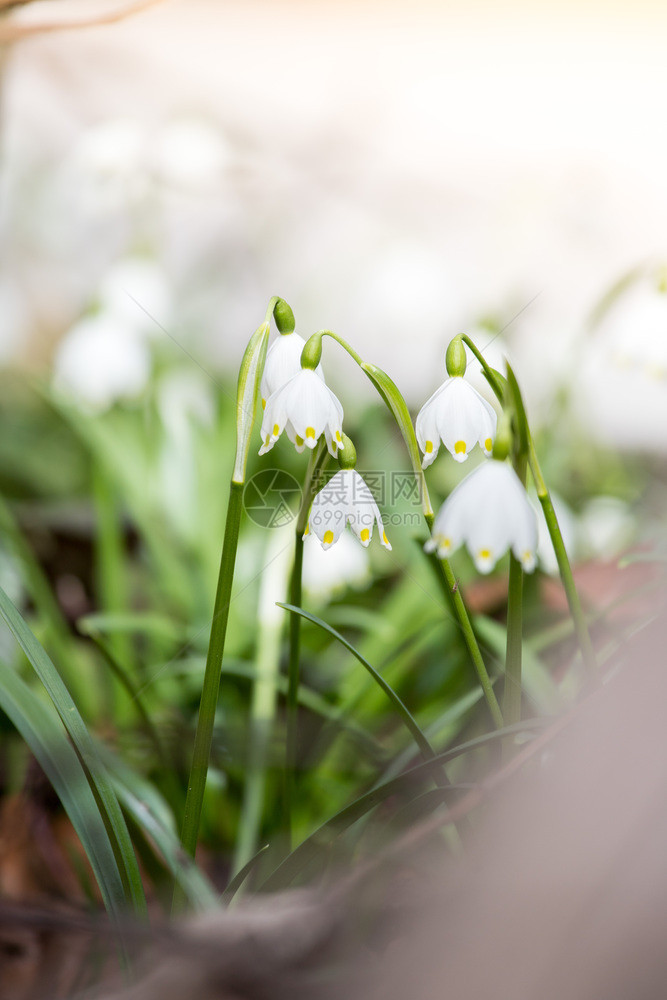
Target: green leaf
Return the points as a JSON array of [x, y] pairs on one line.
[[394, 400], [150, 812], [424, 746], [47, 740], [99, 780], [290, 867], [250, 375], [519, 410]]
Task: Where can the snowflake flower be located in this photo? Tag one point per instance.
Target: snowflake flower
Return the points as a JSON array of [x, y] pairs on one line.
[[489, 511], [346, 499], [283, 362], [305, 408], [457, 415]]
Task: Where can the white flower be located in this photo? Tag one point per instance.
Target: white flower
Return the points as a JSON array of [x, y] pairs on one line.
[[283, 362], [329, 572], [489, 511], [346, 499], [305, 408], [457, 414], [99, 361]]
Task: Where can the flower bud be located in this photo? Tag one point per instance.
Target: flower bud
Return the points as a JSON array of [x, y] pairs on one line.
[[312, 352], [347, 454], [456, 358], [284, 317]]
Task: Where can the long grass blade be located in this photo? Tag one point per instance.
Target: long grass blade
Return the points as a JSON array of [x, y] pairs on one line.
[[100, 783]]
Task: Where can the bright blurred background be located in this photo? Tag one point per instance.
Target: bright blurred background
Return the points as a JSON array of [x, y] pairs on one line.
[[397, 174]]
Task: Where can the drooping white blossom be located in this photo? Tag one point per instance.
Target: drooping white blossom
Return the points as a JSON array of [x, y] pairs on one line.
[[458, 416], [490, 512], [346, 499], [305, 408], [283, 362]]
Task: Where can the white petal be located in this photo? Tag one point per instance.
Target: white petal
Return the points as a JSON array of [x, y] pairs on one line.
[[283, 362], [427, 430], [328, 514], [362, 509], [460, 412]]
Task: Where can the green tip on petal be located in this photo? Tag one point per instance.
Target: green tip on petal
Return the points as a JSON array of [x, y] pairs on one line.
[[284, 317], [456, 359]]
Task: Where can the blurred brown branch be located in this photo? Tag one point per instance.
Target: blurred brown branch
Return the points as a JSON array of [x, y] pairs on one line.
[[10, 32]]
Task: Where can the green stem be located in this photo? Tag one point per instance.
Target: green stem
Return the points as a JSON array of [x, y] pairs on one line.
[[513, 666], [513, 654], [263, 707], [318, 459], [472, 644], [343, 343], [109, 567], [210, 688], [564, 567]]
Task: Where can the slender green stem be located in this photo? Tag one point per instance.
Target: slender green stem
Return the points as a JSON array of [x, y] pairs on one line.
[[318, 459], [564, 567], [513, 655], [293, 673], [209, 695], [513, 658], [109, 566], [472, 644], [343, 343], [263, 706]]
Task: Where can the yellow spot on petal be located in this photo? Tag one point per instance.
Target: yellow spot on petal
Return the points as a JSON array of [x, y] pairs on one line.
[[338, 437], [307, 531], [429, 447], [488, 444], [276, 430], [485, 554], [445, 543], [299, 440], [263, 404], [384, 538], [460, 448], [365, 533], [267, 439], [310, 432], [328, 537]]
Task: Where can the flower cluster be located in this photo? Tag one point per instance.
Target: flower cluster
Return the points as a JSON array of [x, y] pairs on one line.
[[297, 400], [489, 511]]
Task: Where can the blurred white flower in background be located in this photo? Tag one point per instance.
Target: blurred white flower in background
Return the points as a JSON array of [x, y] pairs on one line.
[[98, 362], [620, 384], [106, 357], [606, 527], [107, 166], [489, 511], [329, 572], [190, 153]]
